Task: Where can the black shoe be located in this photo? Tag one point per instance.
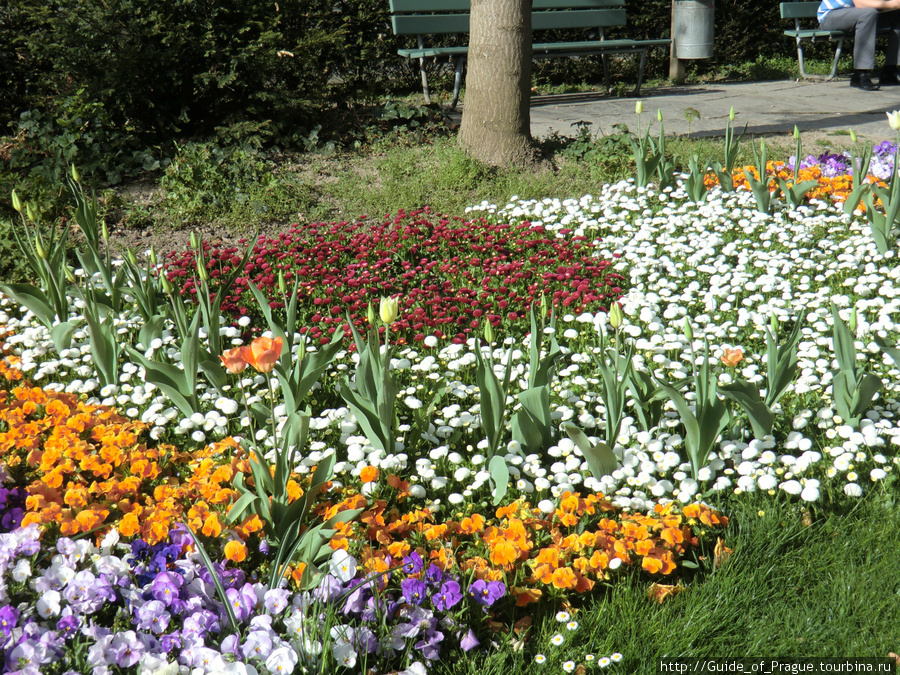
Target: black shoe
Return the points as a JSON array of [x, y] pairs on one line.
[[889, 77], [861, 80]]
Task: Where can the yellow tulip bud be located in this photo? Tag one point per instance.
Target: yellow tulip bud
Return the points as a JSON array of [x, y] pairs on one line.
[[29, 212], [659, 114], [282, 284], [195, 242], [688, 329], [153, 258], [39, 247], [132, 258], [301, 349], [853, 135], [389, 310], [370, 314], [489, 332], [853, 321], [731, 114], [639, 107], [104, 230], [75, 175], [16, 202], [616, 316], [166, 284], [796, 133]]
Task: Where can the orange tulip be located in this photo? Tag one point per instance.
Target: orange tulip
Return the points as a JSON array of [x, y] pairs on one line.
[[233, 361], [732, 357], [262, 354]]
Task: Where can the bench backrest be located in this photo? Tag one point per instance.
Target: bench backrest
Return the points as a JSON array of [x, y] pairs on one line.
[[799, 10], [452, 16]]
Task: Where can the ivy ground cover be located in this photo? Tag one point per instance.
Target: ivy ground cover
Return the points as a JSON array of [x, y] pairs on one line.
[[120, 555]]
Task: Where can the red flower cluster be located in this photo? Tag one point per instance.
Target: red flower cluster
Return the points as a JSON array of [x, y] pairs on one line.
[[450, 274]]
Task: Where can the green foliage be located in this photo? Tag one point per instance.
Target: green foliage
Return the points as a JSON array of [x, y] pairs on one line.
[[206, 181], [374, 391], [694, 184], [853, 389], [725, 170], [287, 523], [600, 457], [298, 371], [532, 425], [44, 249], [616, 372], [73, 130], [705, 421], [760, 185], [794, 192]]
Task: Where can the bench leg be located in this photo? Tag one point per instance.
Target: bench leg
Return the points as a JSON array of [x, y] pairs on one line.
[[424, 82], [640, 77], [834, 66], [837, 56], [424, 75], [457, 80]]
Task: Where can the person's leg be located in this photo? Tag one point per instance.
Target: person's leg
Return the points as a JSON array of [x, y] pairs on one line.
[[892, 55], [865, 23]]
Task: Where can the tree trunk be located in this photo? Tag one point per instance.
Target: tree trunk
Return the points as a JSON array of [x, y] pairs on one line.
[[496, 121]]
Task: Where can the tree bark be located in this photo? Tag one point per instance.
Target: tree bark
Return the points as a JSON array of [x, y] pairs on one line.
[[496, 120]]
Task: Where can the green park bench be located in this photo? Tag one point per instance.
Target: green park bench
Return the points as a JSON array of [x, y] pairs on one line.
[[806, 29], [448, 17]]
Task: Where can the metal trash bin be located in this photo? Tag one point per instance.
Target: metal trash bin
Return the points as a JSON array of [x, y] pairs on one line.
[[693, 24]]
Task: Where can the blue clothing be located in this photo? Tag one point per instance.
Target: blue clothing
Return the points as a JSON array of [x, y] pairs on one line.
[[827, 5]]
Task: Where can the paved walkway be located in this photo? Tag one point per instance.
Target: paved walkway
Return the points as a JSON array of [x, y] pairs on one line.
[[766, 107]]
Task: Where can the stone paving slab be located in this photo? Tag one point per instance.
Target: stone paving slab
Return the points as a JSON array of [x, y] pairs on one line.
[[772, 107]]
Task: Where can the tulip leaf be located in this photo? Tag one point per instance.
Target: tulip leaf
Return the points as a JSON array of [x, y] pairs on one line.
[[781, 361], [217, 582], [852, 201], [746, 395], [33, 299], [367, 416], [493, 394], [890, 350], [531, 425], [151, 330], [600, 457], [499, 477], [104, 347], [61, 334]]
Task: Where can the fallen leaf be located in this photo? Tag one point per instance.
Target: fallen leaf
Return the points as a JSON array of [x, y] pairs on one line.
[[660, 592], [522, 626], [721, 552]]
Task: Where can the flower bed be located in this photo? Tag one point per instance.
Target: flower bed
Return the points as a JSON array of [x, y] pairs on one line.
[[452, 275], [436, 530]]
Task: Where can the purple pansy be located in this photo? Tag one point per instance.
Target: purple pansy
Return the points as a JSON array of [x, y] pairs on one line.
[[448, 596], [486, 593], [413, 590], [413, 563]]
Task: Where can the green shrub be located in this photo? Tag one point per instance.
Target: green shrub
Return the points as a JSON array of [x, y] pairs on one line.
[[236, 186], [131, 75]]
